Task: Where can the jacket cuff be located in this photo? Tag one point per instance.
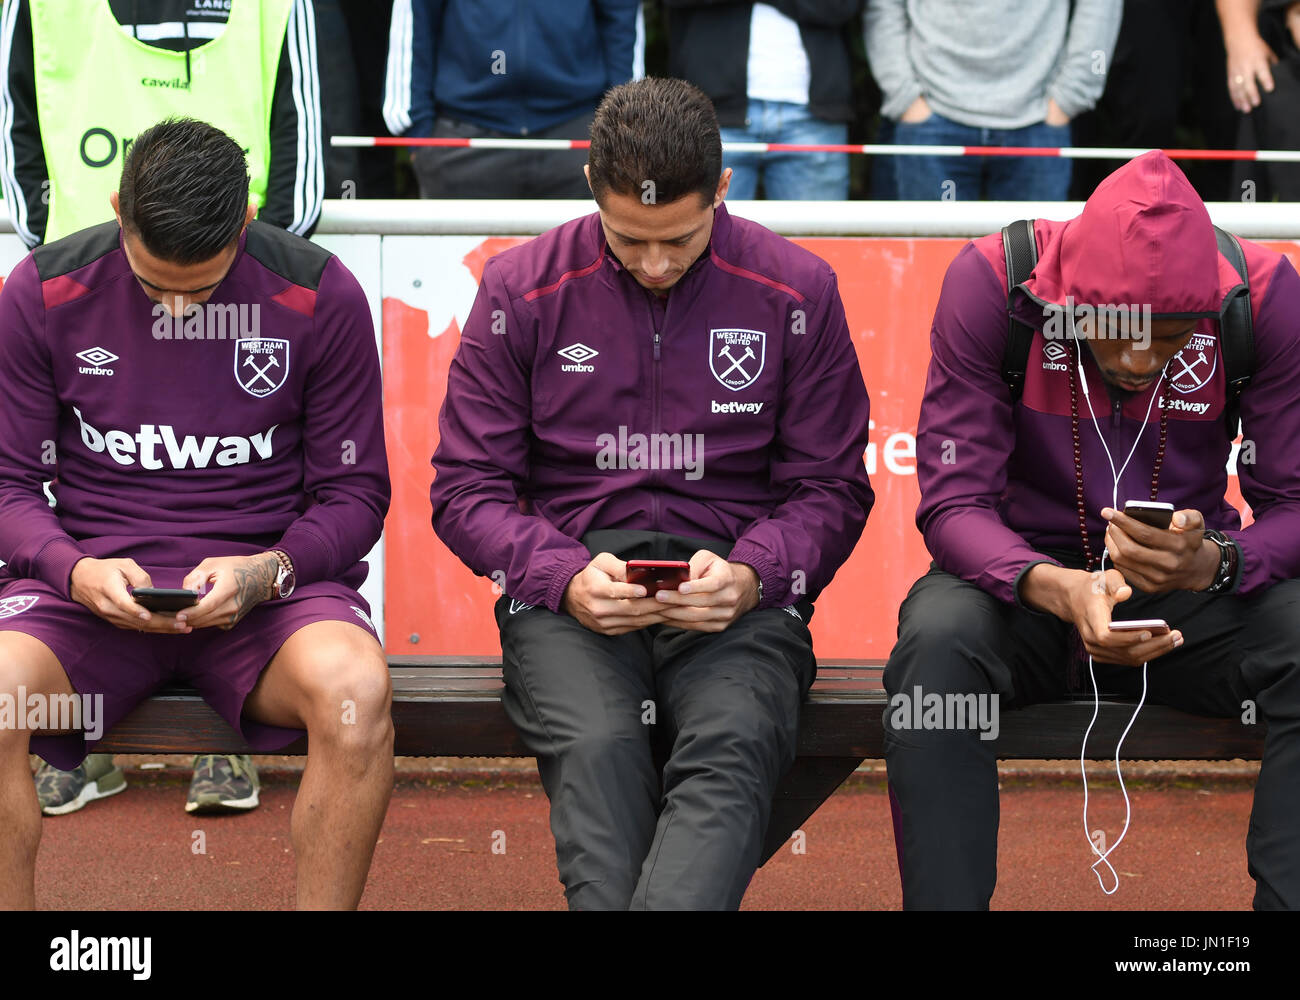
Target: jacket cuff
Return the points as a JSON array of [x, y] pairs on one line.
[[775, 586], [1242, 580], [307, 552], [566, 571], [1015, 585], [53, 564]]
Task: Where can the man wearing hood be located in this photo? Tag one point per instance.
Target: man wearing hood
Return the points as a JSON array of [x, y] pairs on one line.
[[1021, 500]]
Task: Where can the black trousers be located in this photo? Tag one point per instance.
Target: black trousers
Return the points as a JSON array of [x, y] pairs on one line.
[[955, 638], [722, 707], [452, 172]]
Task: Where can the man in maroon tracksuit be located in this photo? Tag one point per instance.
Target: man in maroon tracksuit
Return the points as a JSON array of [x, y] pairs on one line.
[[1022, 499], [656, 380]]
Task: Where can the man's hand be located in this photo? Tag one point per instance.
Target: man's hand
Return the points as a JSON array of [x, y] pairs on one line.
[[717, 593], [1055, 116], [1088, 600], [101, 585], [602, 600], [238, 584], [1250, 60], [918, 111], [1156, 560]]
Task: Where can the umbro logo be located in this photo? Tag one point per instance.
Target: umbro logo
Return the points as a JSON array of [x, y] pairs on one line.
[[577, 355], [96, 359], [1055, 356]]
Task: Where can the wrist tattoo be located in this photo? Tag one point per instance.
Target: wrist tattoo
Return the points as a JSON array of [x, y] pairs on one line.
[[254, 583]]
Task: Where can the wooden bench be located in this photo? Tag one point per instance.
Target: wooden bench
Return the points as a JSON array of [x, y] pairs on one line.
[[451, 707]]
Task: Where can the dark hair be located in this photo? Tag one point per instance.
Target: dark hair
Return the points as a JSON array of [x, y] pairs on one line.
[[184, 190], [659, 130]]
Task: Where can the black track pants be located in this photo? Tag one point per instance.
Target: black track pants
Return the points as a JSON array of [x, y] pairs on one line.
[[955, 638]]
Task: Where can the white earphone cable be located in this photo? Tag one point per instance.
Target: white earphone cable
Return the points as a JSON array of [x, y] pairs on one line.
[[1103, 857]]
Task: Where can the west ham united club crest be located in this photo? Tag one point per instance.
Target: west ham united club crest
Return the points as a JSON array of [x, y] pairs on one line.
[[736, 357], [1193, 366], [261, 364]]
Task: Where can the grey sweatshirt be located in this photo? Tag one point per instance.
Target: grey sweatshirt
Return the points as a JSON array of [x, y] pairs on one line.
[[991, 63]]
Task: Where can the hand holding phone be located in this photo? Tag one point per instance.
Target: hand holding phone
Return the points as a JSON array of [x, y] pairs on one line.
[[1150, 512], [1156, 626], [658, 574], [164, 599]]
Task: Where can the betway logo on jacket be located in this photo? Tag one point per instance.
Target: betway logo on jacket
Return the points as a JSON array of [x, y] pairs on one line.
[[142, 447]]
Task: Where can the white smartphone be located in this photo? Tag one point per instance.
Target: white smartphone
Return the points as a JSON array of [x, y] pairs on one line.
[[1156, 626], [1152, 512]]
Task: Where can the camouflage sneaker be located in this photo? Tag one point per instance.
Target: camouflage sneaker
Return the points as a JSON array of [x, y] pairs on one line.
[[222, 783], [61, 792]]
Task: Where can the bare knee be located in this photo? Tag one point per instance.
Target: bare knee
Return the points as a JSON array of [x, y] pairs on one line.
[[350, 703]]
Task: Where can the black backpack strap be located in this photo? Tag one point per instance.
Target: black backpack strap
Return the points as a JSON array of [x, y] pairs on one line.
[[1236, 334], [1022, 254]]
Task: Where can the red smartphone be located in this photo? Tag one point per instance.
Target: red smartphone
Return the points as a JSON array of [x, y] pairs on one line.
[[1156, 626], [658, 574]]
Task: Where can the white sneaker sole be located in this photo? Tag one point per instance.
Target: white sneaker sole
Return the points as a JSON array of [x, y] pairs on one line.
[[226, 805], [89, 793]]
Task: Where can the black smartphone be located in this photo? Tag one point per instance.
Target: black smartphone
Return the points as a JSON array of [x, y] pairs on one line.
[[162, 599], [1151, 512]]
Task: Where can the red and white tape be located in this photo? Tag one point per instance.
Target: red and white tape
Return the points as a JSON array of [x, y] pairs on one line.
[[1064, 152]]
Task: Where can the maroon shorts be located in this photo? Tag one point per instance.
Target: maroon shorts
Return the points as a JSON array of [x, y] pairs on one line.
[[126, 667]]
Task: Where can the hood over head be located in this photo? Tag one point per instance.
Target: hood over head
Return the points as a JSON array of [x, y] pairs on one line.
[[1144, 238]]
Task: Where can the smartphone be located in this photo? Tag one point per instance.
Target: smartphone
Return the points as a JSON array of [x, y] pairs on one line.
[[1157, 515], [658, 574], [161, 599], [1156, 626]]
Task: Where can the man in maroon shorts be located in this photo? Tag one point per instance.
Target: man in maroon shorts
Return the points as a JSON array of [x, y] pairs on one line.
[[188, 450]]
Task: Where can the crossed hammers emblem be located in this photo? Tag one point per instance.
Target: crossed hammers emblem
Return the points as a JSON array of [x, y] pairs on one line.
[[1189, 369], [261, 372], [736, 363]]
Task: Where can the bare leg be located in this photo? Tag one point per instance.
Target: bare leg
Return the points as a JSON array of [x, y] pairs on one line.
[[331, 678], [30, 663]]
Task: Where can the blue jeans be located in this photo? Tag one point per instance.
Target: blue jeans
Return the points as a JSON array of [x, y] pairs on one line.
[[972, 178], [787, 176]]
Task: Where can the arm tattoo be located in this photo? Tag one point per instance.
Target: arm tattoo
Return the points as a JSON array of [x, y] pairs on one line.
[[254, 583]]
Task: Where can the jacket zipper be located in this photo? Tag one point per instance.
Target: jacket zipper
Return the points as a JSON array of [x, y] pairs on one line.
[[656, 404]]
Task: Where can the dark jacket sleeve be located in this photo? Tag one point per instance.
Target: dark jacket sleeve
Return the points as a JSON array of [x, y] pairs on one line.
[[26, 179], [32, 540], [409, 106], [295, 184], [616, 24], [482, 460], [345, 462], [966, 434]]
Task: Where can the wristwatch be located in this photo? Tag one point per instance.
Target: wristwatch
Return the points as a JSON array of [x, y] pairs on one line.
[[285, 579], [1228, 556]]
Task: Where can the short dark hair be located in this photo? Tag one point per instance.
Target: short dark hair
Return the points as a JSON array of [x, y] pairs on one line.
[[660, 130], [184, 190]]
